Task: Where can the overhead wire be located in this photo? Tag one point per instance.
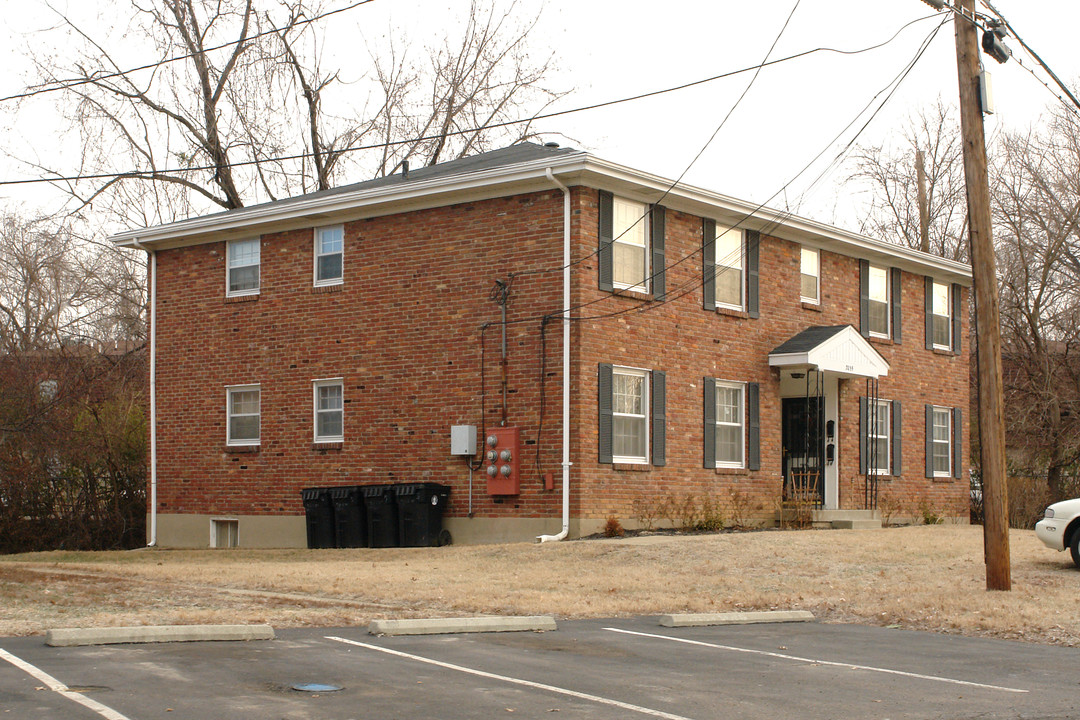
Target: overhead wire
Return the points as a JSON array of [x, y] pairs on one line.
[[57, 85], [150, 173]]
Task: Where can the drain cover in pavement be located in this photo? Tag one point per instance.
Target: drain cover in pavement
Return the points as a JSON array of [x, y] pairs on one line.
[[316, 687]]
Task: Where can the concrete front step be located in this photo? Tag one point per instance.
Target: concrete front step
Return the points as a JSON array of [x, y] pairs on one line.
[[856, 524]]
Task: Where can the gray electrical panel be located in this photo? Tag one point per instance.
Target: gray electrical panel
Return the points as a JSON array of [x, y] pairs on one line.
[[463, 440]]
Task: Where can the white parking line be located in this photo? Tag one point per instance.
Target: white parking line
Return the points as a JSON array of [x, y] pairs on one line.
[[796, 658], [516, 681], [62, 689]]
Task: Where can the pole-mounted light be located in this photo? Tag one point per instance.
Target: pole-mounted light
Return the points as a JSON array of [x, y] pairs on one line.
[[992, 44], [936, 4]]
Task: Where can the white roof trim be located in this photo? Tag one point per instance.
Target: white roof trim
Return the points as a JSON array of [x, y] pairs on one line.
[[846, 353], [578, 168]]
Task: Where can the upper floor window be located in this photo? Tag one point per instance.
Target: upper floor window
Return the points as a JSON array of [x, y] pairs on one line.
[[878, 301], [729, 268], [810, 275], [244, 403], [329, 254], [242, 277], [630, 245], [942, 320], [329, 410]]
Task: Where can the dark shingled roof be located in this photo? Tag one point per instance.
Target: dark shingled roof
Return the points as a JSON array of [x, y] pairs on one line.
[[808, 339], [515, 154]]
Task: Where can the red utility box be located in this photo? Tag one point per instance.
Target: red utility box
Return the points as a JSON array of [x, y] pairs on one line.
[[502, 460]]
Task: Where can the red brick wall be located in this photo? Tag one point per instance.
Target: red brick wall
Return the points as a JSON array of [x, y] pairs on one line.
[[689, 343], [404, 333]]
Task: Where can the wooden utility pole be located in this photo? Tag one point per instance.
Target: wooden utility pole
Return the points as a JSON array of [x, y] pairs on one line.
[[924, 209], [987, 312]]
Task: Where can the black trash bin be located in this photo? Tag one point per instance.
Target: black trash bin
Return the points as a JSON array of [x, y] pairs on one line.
[[320, 517], [420, 508], [381, 512], [350, 525]]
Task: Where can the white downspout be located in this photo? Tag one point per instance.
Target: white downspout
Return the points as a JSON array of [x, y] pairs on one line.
[[152, 254], [565, 366]]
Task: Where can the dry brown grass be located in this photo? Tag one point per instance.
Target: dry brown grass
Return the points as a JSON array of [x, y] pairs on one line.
[[929, 578]]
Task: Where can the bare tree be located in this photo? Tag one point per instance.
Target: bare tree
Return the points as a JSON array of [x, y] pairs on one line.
[[889, 171], [240, 106]]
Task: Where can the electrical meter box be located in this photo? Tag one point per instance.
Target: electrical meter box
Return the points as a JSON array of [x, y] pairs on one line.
[[502, 460], [463, 440]]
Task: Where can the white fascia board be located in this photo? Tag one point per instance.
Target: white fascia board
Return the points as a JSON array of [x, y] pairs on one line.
[[364, 202], [789, 359], [731, 211]]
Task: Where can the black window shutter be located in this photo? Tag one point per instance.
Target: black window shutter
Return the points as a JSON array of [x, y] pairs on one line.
[[896, 295], [864, 298], [929, 441], [897, 433], [607, 233], [753, 426], [603, 384], [708, 263], [929, 313], [710, 421], [656, 226], [659, 418], [753, 243], [958, 441], [864, 432], [957, 317]]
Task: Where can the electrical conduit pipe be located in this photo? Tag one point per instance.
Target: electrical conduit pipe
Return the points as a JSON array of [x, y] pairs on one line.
[[565, 366]]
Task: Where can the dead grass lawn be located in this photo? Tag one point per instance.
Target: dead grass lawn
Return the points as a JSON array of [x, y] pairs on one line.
[[927, 578]]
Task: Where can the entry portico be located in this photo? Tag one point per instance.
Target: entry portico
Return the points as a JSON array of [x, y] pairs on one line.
[[812, 365]]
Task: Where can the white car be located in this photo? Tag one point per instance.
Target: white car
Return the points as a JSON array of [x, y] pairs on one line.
[[1060, 528]]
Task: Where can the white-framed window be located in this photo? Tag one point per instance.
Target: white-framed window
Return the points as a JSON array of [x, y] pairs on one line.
[[242, 273], [244, 405], [941, 441], [941, 316], [630, 249], [329, 255], [224, 532], [730, 424], [810, 275], [329, 409], [877, 305], [729, 268], [630, 412], [879, 447]]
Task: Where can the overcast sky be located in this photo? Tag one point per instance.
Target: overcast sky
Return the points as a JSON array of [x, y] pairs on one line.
[[609, 50]]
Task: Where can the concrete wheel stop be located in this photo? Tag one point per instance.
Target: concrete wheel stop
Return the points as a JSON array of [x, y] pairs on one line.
[[74, 637], [443, 626], [736, 618]]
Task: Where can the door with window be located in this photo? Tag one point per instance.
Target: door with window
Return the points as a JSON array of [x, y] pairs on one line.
[[802, 434]]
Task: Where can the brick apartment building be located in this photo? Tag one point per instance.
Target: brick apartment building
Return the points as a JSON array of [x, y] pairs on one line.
[[711, 346]]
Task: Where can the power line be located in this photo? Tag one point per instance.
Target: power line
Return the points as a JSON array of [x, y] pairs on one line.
[[150, 174], [76, 82], [1033, 54], [778, 220]]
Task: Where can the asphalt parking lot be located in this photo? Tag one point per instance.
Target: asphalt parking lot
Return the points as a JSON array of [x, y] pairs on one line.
[[620, 668]]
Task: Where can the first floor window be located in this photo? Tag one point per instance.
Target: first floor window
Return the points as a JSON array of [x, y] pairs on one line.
[[630, 248], [729, 424], [810, 275], [878, 301], [244, 409], [329, 410], [630, 408], [878, 436], [243, 267], [729, 267], [329, 254], [941, 441]]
